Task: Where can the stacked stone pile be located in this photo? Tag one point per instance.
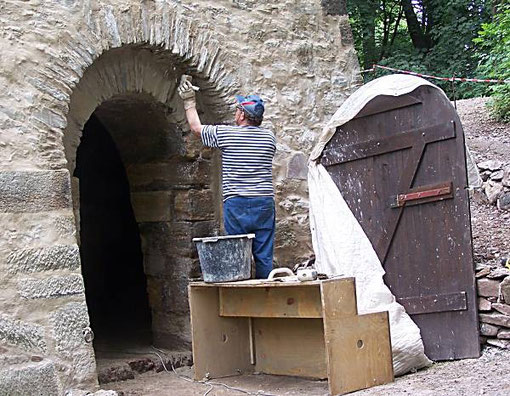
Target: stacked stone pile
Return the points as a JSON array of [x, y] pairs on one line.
[[496, 182], [494, 304]]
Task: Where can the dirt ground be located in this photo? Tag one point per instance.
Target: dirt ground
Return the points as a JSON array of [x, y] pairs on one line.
[[488, 375]]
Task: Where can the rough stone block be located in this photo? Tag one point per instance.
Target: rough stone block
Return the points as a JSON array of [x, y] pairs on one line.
[[175, 298], [34, 191], [334, 7], [506, 177], [154, 264], [298, 167], [504, 334], [155, 293], [165, 176], [40, 380], [484, 304], [504, 344], [493, 190], [152, 206], [503, 308], [488, 330], [483, 272], [174, 239], [495, 319], [118, 373], [141, 365], [171, 266], [183, 268], [346, 31], [499, 273], [487, 287], [171, 331], [193, 205], [58, 286], [27, 336], [503, 202], [492, 165], [505, 290], [167, 239], [68, 323], [44, 259]]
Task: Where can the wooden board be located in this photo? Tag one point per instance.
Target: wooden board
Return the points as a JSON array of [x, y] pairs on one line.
[[339, 295], [271, 302], [290, 347], [358, 351], [257, 283], [215, 337]]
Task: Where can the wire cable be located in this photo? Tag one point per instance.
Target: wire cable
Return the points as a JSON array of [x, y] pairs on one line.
[[206, 382]]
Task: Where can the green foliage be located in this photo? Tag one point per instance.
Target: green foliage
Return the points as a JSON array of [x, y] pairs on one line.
[[494, 40], [431, 37]]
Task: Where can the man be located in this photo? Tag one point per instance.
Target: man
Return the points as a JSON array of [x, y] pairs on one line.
[[247, 154]]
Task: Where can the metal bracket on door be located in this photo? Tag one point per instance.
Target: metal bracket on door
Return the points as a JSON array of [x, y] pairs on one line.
[[416, 196]]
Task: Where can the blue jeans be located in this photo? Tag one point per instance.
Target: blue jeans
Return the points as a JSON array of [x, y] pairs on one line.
[[245, 215]]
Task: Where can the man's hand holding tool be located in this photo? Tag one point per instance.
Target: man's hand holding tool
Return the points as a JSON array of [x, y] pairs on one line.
[[186, 91]]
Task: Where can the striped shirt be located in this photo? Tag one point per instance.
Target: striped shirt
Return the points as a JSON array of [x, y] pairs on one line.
[[247, 158]]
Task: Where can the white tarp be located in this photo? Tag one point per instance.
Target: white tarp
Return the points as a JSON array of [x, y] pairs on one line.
[[340, 244]]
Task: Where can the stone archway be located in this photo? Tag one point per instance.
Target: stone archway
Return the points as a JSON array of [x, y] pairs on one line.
[[129, 95]]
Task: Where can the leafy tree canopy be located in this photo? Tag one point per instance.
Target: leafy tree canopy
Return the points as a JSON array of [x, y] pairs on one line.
[[434, 37]]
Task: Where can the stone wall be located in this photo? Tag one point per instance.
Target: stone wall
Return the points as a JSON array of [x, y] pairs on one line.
[[60, 61]]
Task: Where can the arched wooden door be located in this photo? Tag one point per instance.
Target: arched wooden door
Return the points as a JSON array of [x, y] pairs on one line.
[[400, 165]]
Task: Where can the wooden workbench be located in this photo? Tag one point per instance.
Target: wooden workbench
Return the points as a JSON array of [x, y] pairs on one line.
[[309, 329]]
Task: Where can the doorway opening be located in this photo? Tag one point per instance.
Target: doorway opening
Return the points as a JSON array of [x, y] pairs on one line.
[[110, 248], [143, 193]]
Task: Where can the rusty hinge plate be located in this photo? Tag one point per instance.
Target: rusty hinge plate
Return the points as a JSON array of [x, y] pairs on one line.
[[423, 194]]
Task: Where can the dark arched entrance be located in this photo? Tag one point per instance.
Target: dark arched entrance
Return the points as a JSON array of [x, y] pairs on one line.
[[110, 248]]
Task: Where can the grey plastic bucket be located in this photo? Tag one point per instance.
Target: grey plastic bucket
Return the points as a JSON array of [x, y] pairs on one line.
[[225, 258]]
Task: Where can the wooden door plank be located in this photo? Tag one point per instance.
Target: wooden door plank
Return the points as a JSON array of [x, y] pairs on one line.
[[214, 337], [434, 303], [402, 140], [272, 302], [383, 244], [391, 103], [290, 347], [358, 350]]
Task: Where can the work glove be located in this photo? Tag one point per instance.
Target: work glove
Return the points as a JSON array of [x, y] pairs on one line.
[[186, 91]]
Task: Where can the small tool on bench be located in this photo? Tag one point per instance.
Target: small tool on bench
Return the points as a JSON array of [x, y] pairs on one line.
[[303, 275]]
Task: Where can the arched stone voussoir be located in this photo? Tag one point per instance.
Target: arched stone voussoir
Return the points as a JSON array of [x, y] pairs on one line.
[[176, 46]]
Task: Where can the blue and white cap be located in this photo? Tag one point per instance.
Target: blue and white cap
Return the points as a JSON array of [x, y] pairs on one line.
[[252, 104]]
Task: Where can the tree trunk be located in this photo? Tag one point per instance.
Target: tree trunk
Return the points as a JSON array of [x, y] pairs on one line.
[[418, 37]]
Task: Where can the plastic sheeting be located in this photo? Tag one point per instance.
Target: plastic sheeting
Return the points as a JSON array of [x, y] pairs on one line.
[[340, 244]]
